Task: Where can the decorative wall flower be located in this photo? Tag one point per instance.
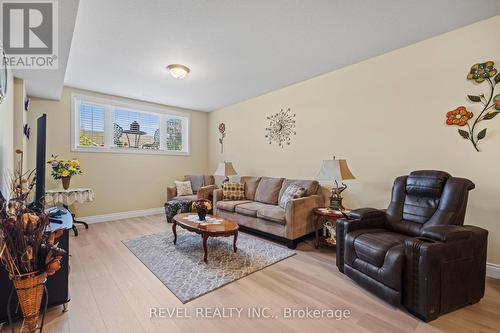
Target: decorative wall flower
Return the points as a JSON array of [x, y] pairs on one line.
[[496, 100], [479, 72], [222, 131], [460, 116]]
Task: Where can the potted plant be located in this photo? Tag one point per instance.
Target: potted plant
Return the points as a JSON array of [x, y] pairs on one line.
[[202, 207], [28, 252], [64, 169]]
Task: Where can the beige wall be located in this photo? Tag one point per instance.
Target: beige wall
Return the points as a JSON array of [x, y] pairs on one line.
[[20, 118], [121, 182], [386, 116], [7, 136]]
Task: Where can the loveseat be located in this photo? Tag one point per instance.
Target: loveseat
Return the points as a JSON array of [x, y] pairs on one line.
[[202, 186], [260, 212]]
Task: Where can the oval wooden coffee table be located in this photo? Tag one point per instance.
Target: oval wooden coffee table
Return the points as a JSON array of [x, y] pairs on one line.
[[224, 228]]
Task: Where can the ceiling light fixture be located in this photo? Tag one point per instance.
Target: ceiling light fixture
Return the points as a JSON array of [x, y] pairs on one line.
[[178, 71]]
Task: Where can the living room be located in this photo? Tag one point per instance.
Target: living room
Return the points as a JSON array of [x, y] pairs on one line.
[[222, 156]]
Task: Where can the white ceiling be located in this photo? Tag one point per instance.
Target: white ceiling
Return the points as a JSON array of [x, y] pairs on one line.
[[238, 49]]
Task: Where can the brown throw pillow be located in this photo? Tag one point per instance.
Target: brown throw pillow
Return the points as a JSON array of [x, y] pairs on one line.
[[233, 191]]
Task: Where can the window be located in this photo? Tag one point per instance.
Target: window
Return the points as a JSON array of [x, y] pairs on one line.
[[107, 126]]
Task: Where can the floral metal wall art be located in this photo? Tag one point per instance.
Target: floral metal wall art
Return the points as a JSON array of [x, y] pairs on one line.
[[281, 128], [490, 104], [222, 131]]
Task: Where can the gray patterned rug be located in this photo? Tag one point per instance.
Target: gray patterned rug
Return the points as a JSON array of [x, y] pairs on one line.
[[181, 268]]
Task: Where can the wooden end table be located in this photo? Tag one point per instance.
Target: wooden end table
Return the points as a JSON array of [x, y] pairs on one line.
[[321, 215], [225, 228]]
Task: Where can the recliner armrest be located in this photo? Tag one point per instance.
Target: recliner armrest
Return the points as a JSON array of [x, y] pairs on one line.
[[445, 233], [363, 213]]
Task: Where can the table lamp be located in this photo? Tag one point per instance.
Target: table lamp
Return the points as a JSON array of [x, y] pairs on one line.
[[338, 171], [225, 169]]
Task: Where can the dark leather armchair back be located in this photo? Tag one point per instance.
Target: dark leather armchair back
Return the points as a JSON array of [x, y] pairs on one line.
[[427, 198]]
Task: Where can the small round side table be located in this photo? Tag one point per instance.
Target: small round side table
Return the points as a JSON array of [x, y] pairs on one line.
[[320, 215]]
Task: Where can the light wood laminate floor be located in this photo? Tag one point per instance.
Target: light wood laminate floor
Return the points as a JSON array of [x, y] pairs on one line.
[[112, 291]]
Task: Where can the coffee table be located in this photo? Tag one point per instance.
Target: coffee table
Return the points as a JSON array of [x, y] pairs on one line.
[[224, 228]]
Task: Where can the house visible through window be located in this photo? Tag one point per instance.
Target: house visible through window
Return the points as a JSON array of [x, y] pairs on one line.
[[105, 126]]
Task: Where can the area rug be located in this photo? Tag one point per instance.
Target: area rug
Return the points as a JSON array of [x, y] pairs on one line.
[[181, 267]]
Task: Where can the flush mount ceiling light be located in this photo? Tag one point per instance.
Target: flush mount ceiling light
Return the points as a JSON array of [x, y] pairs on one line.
[[178, 71]]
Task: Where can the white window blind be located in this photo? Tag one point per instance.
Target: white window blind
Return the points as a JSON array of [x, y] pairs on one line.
[[102, 125], [91, 125], [138, 130]]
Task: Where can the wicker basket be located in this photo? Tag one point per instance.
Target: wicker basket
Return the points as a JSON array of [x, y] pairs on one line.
[[29, 289]]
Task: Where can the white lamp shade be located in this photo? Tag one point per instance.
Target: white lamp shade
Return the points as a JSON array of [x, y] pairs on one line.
[[225, 169], [336, 170]]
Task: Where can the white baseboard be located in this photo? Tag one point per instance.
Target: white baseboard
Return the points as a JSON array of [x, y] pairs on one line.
[[121, 215], [493, 270]]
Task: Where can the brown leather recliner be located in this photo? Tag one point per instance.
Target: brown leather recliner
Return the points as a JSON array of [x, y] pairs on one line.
[[417, 252]]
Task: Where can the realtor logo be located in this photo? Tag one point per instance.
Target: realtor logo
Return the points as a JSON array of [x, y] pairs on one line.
[[29, 34]]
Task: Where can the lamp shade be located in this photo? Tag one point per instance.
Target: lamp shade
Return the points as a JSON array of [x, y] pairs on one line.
[[336, 170], [225, 169]]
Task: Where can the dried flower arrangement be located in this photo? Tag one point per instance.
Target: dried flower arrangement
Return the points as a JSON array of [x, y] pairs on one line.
[[202, 207], [27, 251]]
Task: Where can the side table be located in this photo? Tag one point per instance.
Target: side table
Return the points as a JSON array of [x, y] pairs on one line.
[[67, 198], [320, 215]]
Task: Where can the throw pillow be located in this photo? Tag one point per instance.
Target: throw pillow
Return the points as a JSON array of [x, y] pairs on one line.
[[292, 192], [183, 188], [233, 191]]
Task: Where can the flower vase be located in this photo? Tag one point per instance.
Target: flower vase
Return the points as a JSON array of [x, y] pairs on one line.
[[29, 289], [202, 214], [66, 182]]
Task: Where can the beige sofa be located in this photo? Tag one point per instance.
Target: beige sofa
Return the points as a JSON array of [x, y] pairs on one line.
[[260, 211]]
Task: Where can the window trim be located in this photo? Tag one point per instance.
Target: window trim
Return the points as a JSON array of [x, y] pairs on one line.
[[76, 99]]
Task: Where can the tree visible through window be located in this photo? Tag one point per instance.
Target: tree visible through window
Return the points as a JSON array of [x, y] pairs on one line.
[[174, 134]]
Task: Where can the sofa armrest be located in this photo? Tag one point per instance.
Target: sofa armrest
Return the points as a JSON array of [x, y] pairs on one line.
[[206, 192], [445, 233], [298, 215], [217, 197], [171, 192]]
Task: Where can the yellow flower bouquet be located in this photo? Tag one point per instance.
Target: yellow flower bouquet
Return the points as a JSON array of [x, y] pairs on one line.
[[64, 169]]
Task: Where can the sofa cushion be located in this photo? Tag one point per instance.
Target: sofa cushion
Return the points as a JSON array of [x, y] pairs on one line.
[[372, 247], [192, 197], [251, 184], [233, 191], [268, 190], [183, 188], [196, 181], [292, 192], [311, 186], [250, 209], [230, 206], [273, 214]]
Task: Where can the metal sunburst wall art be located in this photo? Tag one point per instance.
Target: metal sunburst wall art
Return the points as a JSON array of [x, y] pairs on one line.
[[281, 128]]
